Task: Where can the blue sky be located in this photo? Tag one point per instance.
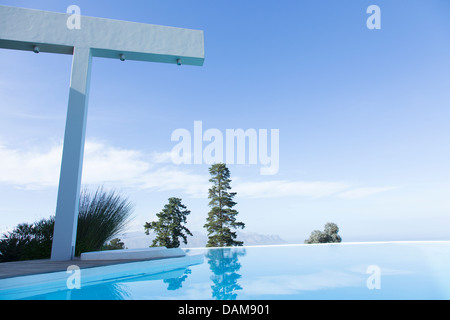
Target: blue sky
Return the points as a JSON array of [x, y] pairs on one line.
[[362, 114]]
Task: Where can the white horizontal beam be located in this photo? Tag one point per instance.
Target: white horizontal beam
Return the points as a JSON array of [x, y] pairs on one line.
[[22, 29]]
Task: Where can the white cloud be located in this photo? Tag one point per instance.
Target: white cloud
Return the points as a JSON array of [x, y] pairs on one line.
[[35, 168], [162, 157], [103, 163], [170, 178], [363, 192], [283, 188], [30, 168]]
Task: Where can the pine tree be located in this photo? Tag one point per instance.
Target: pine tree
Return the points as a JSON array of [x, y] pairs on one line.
[[222, 217], [169, 227]]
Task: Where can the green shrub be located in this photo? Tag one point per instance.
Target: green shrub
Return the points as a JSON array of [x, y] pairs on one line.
[[329, 235], [28, 241], [102, 216]]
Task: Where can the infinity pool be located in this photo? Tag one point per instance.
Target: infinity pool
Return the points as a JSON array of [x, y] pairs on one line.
[[397, 270]]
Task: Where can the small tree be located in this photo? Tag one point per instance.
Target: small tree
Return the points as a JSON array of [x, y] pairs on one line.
[[114, 244], [331, 230], [222, 217], [169, 227], [329, 235]]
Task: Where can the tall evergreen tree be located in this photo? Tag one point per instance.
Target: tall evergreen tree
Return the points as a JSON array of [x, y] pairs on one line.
[[169, 227], [222, 217]]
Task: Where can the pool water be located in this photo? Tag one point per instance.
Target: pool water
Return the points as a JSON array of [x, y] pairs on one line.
[[409, 270]]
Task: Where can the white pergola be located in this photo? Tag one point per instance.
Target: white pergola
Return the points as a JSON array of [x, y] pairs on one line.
[[42, 31]]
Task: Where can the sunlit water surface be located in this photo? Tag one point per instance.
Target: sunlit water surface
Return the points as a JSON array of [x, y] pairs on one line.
[[340, 271]]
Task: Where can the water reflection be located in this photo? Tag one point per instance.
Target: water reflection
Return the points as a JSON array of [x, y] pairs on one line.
[[114, 289], [224, 264], [106, 291], [177, 283], [303, 272]]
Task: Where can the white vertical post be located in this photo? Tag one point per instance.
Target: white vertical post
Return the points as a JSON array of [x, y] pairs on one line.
[[64, 235], [43, 31]]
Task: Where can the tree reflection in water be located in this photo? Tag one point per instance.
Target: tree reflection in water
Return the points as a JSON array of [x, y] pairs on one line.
[[224, 264], [177, 283]]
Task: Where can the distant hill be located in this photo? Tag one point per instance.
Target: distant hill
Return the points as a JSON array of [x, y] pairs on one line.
[[138, 239]]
